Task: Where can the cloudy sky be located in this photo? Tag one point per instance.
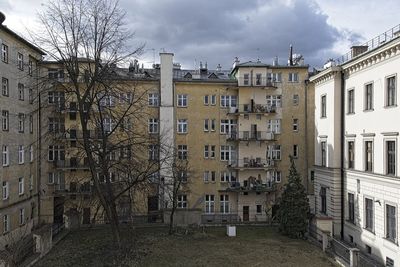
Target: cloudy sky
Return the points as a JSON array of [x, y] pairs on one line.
[[217, 31]]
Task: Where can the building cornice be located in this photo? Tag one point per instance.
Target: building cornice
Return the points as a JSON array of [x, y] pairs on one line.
[[325, 75], [381, 54]]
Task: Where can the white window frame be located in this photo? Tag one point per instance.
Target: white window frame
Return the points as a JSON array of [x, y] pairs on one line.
[[5, 156], [274, 101], [295, 125], [182, 126], [206, 151], [293, 77], [22, 216], [295, 151], [394, 103], [20, 61], [5, 190], [213, 100], [209, 201], [21, 186], [182, 152], [371, 227], [387, 223], [274, 126], [21, 91], [153, 99], [224, 204], [153, 126], [21, 154], [296, 99], [21, 122], [6, 223], [182, 201], [182, 101], [206, 125], [206, 100], [5, 89]]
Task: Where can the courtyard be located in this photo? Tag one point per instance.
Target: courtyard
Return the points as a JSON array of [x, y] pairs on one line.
[[253, 246]]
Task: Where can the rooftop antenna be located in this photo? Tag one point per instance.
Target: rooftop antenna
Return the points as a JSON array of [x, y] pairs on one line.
[[258, 54]]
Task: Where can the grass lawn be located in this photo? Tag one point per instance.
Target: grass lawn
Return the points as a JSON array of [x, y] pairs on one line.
[[253, 246]]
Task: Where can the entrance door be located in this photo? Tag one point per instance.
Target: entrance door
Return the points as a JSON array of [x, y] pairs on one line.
[[58, 211], [86, 216], [245, 213]]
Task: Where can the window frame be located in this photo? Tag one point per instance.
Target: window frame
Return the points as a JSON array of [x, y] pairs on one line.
[[182, 100], [387, 95], [351, 101], [369, 96], [369, 226], [323, 105]]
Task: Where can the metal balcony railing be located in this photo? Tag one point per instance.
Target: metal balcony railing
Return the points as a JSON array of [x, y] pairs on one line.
[[72, 163], [250, 136], [247, 185], [249, 163], [255, 81], [73, 134], [253, 108]]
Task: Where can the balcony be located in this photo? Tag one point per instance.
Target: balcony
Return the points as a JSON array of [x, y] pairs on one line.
[[251, 185], [263, 82], [250, 163], [72, 163], [250, 136], [252, 108], [73, 134]]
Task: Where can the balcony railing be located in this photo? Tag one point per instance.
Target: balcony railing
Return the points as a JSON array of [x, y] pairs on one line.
[[253, 108], [258, 82], [73, 134], [72, 163], [250, 136], [247, 186], [248, 163]]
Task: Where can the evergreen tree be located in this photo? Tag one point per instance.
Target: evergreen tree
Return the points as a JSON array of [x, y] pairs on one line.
[[294, 207]]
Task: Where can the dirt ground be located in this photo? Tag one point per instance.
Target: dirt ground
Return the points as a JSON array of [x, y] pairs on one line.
[[253, 246]]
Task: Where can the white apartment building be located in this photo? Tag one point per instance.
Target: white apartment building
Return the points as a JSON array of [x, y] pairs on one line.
[[357, 183]]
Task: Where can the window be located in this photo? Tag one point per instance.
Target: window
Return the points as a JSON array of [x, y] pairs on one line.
[[20, 59], [6, 158], [20, 186], [323, 106], [274, 152], [153, 125], [224, 203], [227, 176], [295, 151], [5, 120], [350, 154], [213, 100], [30, 124], [183, 175], [56, 125], [6, 223], [5, 87], [323, 154], [182, 201], [56, 153], [368, 249], [21, 122], [182, 152], [227, 126], [274, 101], [4, 53], [274, 176], [227, 153], [351, 207], [206, 97], [350, 101], [391, 223], [209, 202], [21, 153], [246, 79], [213, 125], [389, 262], [274, 77], [391, 91], [391, 157], [228, 101], [206, 124], [293, 77], [258, 79], [31, 155], [369, 214], [322, 194], [369, 102], [295, 100], [30, 95], [212, 152], [21, 216], [206, 176], [21, 93], [6, 190], [108, 125], [274, 126], [206, 151], [368, 156], [182, 100], [30, 67], [153, 152], [295, 125], [259, 209], [57, 98], [153, 100], [182, 126]]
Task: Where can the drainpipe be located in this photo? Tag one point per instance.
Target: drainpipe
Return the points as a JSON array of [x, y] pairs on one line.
[[342, 131], [307, 82]]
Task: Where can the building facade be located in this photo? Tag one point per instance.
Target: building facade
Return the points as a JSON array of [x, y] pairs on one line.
[[19, 207], [356, 150]]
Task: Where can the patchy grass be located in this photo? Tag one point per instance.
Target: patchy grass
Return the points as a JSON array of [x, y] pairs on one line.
[[253, 246]]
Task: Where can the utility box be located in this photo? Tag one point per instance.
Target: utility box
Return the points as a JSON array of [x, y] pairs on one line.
[[230, 230]]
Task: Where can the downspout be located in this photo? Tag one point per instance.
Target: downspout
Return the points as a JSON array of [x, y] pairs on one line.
[[307, 82], [39, 153], [342, 131]]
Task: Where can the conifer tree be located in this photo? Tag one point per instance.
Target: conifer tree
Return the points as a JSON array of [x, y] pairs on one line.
[[294, 208]]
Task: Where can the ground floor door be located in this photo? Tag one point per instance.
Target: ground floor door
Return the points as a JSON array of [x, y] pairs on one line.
[[86, 216], [58, 211], [245, 213], [152, 208]]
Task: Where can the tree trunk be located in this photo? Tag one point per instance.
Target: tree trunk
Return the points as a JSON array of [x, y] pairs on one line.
[[171, 221]]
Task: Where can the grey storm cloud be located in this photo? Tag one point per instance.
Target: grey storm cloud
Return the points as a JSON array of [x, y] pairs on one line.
[[218, 31]]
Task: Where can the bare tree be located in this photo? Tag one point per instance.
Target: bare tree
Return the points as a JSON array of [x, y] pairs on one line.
[[176, 186], [89, 40]]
